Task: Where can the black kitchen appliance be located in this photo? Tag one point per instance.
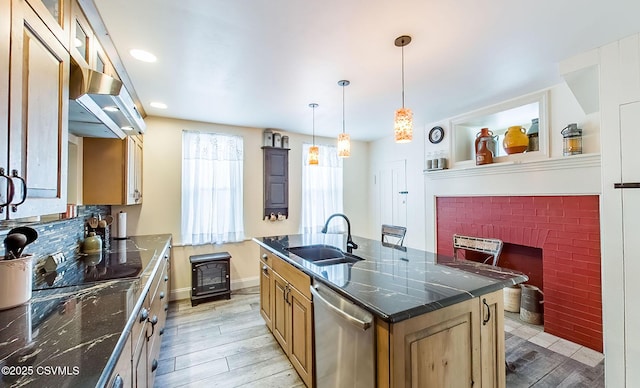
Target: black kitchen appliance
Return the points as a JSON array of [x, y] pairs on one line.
[[210, 277], [123, 261]]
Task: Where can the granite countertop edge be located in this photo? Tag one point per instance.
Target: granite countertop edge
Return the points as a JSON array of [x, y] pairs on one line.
[[406, 314], [126, 331]]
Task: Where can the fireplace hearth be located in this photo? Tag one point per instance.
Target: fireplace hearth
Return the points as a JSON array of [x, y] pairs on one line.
[[564, 230]]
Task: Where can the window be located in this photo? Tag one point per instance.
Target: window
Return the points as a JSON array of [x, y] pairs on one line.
[[212, 189], [321, 190]]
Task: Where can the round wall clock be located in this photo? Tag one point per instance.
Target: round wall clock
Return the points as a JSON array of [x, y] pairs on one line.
[[436, 134]]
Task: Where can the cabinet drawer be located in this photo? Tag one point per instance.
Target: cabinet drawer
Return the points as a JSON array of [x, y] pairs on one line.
[[294, 276], [157, 281], [266, 258]]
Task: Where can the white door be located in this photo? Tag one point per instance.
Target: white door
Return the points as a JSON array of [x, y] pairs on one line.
[[392, 190], [629, 138]]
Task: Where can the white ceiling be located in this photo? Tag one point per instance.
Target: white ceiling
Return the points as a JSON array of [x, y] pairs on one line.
[[259, 63]]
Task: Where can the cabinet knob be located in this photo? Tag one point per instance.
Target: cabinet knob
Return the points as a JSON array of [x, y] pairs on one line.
[[144, 314], [154, 365], [161, 295], [265, 256], [118, 382], [161, 332], [265, 269], [166, 278], [153, 320], [166, 307]]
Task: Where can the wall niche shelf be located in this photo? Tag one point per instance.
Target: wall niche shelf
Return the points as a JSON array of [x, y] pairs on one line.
[[520, 111], [520, 166], [276, 182]]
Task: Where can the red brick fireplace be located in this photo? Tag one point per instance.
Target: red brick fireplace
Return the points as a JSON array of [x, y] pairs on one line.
[[566, 228]]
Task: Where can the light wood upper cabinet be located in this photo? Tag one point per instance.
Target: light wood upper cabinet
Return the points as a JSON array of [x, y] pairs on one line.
[[56, 16], [82, 38], [84, 46], [38, 105], [112, 171], [5, 38], [134, 170]]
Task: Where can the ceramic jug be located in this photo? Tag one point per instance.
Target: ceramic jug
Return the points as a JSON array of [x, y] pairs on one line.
[[483, 154], [491, 140], [515, 140]]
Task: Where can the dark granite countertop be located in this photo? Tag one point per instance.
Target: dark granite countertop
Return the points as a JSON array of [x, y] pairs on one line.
[[396, 285], [81, 330]]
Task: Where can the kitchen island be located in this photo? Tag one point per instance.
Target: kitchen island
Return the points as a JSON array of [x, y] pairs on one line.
[[438, 320], [80, 333]]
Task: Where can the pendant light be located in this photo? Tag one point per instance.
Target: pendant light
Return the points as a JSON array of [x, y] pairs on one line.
[[403, 123], [344, 140], [313, 150]]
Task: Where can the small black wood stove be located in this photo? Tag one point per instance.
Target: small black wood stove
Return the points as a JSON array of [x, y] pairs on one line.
[[210, 277]]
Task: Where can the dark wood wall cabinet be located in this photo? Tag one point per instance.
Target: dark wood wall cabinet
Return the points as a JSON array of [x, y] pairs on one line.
[[276, 182]]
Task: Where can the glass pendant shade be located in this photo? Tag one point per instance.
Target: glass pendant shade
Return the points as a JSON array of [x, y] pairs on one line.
[[344, 145], [314, 151], [403, 125], [313, 155]]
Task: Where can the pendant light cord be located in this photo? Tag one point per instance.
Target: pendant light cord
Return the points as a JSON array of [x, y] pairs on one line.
[[313, 125], [402, 76], [343, 85]]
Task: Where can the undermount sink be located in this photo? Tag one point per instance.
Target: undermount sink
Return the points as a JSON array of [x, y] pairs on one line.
[[324, 255]]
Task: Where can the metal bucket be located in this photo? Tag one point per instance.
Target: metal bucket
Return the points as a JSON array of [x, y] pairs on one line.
[[531, 305]]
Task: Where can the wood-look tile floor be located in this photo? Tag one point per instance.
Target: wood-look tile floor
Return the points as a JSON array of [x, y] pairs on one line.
[[226, 344], [223, 343]]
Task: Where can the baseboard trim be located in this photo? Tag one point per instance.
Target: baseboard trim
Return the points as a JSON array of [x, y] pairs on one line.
[[185, 292]]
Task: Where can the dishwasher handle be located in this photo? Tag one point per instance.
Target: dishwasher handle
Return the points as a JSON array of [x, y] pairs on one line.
[[360, 323]]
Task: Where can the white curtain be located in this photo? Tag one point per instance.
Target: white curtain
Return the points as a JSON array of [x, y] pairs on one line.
[[212, 190], [321, 190]]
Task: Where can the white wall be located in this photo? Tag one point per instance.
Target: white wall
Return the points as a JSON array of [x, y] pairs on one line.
[[566, 177], [160, 211]]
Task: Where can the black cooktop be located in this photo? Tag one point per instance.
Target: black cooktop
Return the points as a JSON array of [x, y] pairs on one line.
[[89, 268]]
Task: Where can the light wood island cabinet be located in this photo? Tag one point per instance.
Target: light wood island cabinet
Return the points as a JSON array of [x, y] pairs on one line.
[[461, 345], [285, 304]]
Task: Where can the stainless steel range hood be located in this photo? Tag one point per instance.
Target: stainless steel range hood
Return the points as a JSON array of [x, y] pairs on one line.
[[100, 106]]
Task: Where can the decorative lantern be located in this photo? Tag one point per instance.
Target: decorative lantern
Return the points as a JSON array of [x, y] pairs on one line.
[[571, 140]]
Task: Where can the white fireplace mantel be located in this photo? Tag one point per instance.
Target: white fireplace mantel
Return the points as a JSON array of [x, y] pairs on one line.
[[518, 167], [572, 175]]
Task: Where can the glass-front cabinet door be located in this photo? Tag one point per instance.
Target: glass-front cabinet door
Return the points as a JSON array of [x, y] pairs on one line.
[[82, 38], [55, 14]]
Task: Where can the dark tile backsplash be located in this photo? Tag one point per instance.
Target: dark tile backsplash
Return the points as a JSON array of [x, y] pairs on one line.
[[63, 235]]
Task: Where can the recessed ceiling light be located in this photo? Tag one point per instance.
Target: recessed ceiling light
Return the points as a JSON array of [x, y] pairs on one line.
[[111, 108], [127, 128], [159, 105], [142, 55]]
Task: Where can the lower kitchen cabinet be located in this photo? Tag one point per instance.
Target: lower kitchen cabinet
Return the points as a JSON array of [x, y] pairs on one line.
[[285, 304], [139, 359], [457, 346], [266, 282], [121, 376]]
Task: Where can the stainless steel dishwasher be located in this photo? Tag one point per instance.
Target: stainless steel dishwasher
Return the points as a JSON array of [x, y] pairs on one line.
[[344, 341]]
